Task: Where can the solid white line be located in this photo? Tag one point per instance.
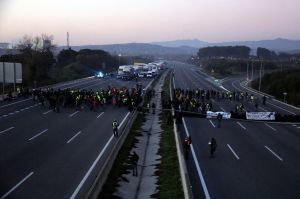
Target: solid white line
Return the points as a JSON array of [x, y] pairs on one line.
[[282, 108], [270, 127], [174, 82], [241, 125], [196, 161], [38, 134], [95, 162], [236, 156], [277, 156], [223, 109], [70, 140], [10, 128], [212, 124], [73, 114], [47, 112], [17, 185], [100, 115], [14, 103]]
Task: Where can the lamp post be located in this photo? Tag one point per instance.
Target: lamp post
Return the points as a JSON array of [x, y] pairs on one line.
[[260, 76], [284, 96], [119, 55]]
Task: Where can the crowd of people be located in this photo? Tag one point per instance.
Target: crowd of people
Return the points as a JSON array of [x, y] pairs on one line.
[[78, 99], [200, 100]]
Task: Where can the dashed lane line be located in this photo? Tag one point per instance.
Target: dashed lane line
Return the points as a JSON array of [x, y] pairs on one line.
[[70, 140], [47, 112], [71, 115], [10, 128], [95, 162], [17, 185], [241, 125], [100, 115], [234, 153], [196, 161], [38, 134], [277, 156], [212, 124], [270, 127]]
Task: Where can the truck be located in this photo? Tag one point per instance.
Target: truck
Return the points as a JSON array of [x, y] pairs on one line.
[[125, 72]]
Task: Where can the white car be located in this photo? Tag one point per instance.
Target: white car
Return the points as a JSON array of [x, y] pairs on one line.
[[149, 74]]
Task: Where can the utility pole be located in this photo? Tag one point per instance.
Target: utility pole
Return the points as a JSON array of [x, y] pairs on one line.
[[260, 76], [247, 70], [252, 70], [68, 44]]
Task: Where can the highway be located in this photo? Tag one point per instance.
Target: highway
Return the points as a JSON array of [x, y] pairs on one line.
[[54, 155], [252, 160]]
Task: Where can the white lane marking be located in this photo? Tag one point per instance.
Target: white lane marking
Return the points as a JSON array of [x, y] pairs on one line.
[[241, 125], [236, 156], [4, 115], [212, 124], [95, 162], [22, 109], [223, 109], [270, 127], [100, 115], [10, 128], [282, 108], [174, 82], [14, 103], [47, 112], [277, 156], [298, 127], [294, 125], [17, 111], [38, 134], [196, 161], [70, 140], [263, 109], [17, 185], [10, 113], [26, 108], [73, 114]]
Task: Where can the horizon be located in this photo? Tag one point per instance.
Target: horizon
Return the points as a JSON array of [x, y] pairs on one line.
[[139, 21]]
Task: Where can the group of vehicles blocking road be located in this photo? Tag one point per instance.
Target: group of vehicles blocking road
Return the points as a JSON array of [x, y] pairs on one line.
[[141, 70]]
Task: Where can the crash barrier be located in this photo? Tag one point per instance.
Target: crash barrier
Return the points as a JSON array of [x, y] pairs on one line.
[[101, 178]]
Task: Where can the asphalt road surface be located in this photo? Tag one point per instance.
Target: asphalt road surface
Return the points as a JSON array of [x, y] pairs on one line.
[[252, 160], [54, 155]]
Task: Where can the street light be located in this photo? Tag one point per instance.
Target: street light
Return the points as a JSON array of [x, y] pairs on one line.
[[284, 96], [119, 55]]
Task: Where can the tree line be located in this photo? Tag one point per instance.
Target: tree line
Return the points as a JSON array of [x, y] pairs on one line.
[[41, 66]]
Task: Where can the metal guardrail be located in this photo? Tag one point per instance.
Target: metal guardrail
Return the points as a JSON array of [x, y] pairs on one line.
[[102, 175], [100, 180]]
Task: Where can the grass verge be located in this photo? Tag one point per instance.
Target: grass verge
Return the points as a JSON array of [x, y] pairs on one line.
[[122, 163], [169, 177]]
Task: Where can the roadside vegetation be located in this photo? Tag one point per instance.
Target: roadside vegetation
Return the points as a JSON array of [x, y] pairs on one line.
[[169, 177], [277, 83]]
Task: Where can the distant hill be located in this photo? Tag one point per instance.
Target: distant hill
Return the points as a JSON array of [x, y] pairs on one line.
[[278, 44], [133, 49]]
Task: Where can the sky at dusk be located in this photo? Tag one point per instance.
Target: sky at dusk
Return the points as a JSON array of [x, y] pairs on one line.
[[123, 21]]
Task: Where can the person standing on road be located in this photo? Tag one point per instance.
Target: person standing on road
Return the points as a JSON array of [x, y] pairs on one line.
[[186, 145], [219, 118], [213, 146], [134, 160], [115, 128], [264, 100]]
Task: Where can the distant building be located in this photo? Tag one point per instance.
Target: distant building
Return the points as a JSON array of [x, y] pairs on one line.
[[4, 45]]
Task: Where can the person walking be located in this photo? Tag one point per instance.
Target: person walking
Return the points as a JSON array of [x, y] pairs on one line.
[[134, 160], [186, 145], [115, 128], [219, 118], [213, 146]]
